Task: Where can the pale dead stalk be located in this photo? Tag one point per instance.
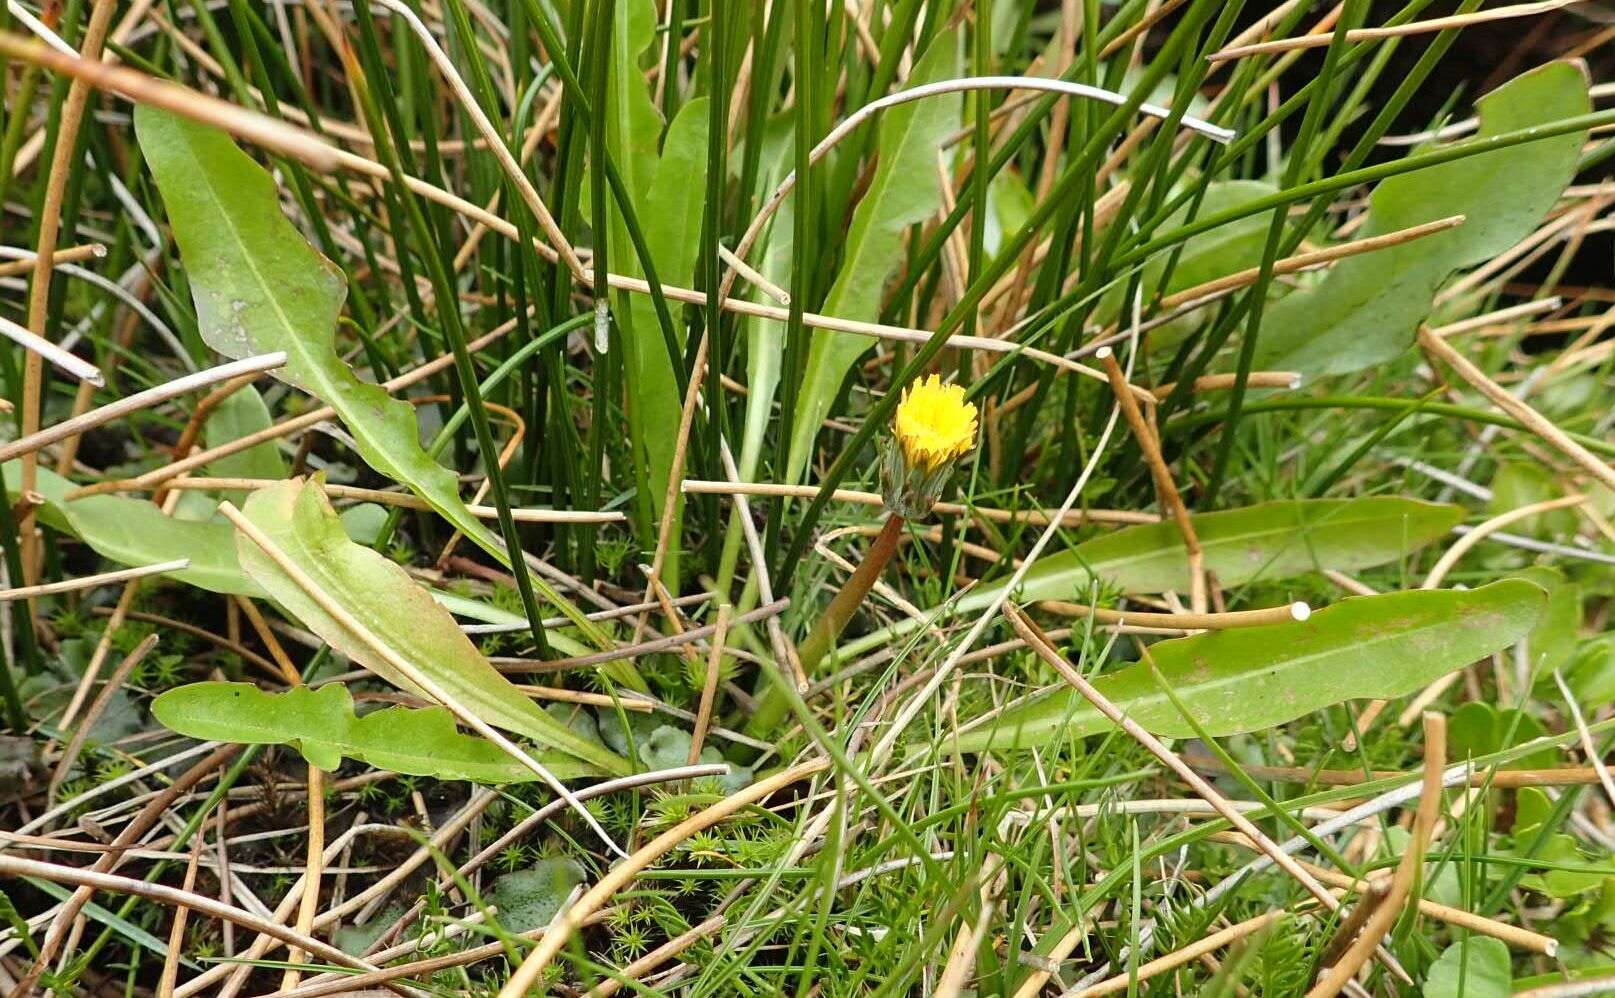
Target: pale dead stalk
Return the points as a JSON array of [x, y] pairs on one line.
[[314, 862], [285, 427], [961, 963], [73, 254], [1358, 35], [139, 88], [1288, 380], [113, 684], [709, 685], [176, 932], [90, 880], [1588, 749], [86, 372], [1165, 487], [103, 648], [1064, 947], [1040, 517], [44, 268], [671, 497], [658, 956], [1513, 935], [496, 143], [32, 441], [91, 581], [1177, 958], [1532, 420], [310, 903], [131, 833], [404, 500], [1386, 913], [1289, 613], [1460, 547]]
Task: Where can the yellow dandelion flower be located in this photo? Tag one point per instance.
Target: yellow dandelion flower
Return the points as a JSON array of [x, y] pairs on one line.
[[935, 425]]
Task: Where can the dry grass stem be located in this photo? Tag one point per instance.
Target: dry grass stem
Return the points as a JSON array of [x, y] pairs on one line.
[[32, 442], [92, 581], [1035, 639], [709, 684], [1165, 487], [1358, 35], [1041, 518], [83, 370], [1289, 613], [1532, 420], [1387, 911]]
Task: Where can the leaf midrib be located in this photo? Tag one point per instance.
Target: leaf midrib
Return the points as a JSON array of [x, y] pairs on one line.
[[415, 473], [294, 344]]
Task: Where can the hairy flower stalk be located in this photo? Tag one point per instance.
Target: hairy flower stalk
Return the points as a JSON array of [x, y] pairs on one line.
[[934, 427]]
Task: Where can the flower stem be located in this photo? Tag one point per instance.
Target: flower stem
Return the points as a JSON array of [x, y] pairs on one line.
[[824, 634]]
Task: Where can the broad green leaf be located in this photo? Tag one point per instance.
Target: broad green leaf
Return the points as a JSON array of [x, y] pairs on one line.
[[672, 210], [1562, 878], [1269, 541], [1591, 675], [364, 522], [669, 210], [1012, 205], [1474, 967], [356, 940], [904, 191], [321, 724], [765, 340], [633, 125], [1224, 250], [1365, 311], [241, 414], [485, 613], [381, 596], [260, 287], [666, 182], [1247, 679], [1478, 729], [135, 532], [1553, 640]]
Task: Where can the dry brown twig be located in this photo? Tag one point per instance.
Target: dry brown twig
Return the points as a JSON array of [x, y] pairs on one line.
[[132, 832], [1529, 417], [1165, 488], [1356, 35], [1384, 915]]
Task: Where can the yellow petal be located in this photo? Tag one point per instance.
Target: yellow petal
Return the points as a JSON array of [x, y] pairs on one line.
[[935, 425]]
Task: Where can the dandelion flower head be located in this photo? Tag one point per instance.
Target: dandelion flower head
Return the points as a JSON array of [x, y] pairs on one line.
[[935, 425]]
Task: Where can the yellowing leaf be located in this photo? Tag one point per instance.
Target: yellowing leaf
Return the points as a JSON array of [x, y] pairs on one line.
[[382, 598]]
